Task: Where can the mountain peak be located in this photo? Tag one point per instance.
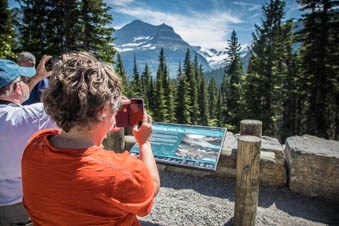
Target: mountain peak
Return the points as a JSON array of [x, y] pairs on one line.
[[139, 34], [163, 25], [145, 41], [137, 22]]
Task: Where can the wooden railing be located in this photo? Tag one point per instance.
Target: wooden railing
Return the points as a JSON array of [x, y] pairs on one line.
[[247, 172]]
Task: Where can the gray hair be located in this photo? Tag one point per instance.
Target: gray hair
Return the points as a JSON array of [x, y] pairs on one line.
[[26, 56]]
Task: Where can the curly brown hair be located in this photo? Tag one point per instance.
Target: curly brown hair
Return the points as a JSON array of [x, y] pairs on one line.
[[79, 87]]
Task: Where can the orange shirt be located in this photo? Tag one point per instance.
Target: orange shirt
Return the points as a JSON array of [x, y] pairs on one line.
[[90, 186]]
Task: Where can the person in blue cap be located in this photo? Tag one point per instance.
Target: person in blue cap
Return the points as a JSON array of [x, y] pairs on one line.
[[27, 59], [17, 124]]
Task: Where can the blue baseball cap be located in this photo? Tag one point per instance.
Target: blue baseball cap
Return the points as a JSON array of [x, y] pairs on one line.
[[9, 71]]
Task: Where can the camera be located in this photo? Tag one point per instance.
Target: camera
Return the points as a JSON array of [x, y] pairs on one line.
[[130, 114], [50, 63]]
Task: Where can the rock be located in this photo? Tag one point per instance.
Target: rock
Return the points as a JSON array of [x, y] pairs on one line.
[[228, 156], [313, 166], [272, 163], [129, 142], [115, 141], [269, 144]]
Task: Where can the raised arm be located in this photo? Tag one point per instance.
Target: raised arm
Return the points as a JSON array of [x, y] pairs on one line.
[[143, 137], [41, 72]]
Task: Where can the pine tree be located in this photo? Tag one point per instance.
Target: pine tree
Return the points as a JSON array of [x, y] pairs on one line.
[[320, 75], [292, 119], [183, 107], [160, 108], [193, 89], [212, 100], [171, 102], [198, 75], [197, 70], [135, 89], [97, 33], [168, 88], [224, 92], [151, 97], [267, 69], [7, 32], [120, 70], [54, 27], [219, 109], [34, 28], [234, 70], [145, 84], [63, 23], [203, 101]]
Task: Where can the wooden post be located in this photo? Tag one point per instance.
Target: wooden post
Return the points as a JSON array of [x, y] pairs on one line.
[[251, 127], [115, 141], [247, 180]]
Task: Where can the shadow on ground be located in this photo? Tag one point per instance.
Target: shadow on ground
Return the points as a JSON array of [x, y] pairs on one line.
[[313, 209], [147, 223]]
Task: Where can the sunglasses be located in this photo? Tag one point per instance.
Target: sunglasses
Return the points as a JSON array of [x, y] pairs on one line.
[[25, 79]]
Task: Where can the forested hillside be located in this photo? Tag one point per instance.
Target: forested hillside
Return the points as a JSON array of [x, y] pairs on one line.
[[292, 91]]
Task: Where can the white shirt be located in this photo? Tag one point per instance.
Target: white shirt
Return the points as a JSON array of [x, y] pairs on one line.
[[17, 125]]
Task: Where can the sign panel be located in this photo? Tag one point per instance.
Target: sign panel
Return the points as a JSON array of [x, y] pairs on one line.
[[185, 145]]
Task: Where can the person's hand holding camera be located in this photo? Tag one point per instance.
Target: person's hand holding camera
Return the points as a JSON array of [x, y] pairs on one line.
[[143, 133], [41, 72], [41, 68]]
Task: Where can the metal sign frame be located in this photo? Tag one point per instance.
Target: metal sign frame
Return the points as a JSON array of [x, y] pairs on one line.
[[186, 145]]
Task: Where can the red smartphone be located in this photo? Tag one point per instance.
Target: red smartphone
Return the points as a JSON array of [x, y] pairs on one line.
[[130, 114]]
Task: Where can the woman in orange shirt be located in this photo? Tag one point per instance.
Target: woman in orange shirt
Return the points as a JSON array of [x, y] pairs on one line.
[[68, 177]]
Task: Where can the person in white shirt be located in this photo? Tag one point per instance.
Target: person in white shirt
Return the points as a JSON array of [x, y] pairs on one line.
[[17, 124], [27, 59]]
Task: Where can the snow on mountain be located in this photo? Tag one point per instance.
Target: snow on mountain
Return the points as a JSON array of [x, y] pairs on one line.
[[215, 58], [144, 41]]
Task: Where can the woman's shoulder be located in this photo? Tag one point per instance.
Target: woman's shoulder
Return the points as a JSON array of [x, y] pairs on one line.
[[43, 133]]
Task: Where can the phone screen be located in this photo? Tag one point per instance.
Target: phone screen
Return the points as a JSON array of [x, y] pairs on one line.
[[130, 114]]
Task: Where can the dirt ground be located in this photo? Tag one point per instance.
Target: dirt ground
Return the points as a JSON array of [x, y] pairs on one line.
[[190, 200]]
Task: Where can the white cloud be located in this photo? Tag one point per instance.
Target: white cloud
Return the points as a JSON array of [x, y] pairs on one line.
[[249, 6], [293, 7], [119, 2], [207, 29]]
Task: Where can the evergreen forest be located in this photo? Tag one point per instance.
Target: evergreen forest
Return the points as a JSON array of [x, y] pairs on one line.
[[291, 83]]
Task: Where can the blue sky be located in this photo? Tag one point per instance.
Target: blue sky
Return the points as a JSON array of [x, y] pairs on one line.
[[207, 23]]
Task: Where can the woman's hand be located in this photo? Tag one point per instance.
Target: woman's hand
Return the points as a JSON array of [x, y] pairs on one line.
[[143, 134], [124, 101]]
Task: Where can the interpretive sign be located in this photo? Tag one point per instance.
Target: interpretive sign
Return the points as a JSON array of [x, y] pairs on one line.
[[185, 145]]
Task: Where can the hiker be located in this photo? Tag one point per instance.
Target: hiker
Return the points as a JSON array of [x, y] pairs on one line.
[[17, 124], [27, 59], [68, 177]]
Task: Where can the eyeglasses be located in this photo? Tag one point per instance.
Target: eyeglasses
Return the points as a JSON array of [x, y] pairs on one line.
[[26, 63], [25, 79]]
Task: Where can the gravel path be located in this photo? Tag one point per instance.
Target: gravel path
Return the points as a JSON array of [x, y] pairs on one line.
[[190, 200]]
